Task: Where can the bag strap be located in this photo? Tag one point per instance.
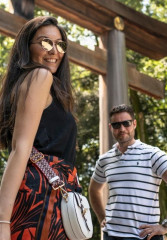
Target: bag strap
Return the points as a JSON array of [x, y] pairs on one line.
[[39, 160]]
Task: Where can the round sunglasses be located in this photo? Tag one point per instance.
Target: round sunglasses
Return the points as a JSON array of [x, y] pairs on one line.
[[47, 44], [117, 125]]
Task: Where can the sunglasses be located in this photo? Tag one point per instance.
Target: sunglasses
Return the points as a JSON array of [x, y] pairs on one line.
[[117, 125], [47, 45]]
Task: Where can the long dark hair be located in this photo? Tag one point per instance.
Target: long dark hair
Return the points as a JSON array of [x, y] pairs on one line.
[[19, 66]]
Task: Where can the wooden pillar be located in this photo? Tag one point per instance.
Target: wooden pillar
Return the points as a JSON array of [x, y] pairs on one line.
[[113, 88], [103, 111], [103, 107], [103, 104], [24, 8], [117, 77]]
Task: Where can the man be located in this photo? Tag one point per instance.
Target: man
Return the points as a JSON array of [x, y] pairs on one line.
[[133, 171]]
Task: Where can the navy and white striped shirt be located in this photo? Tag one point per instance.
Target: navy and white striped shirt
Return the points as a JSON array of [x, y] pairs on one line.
[[133, 179]]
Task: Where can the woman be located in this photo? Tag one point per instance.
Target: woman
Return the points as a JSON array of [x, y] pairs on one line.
[[36, 107]]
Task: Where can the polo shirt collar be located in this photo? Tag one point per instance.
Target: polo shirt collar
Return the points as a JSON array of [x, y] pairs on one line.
[[135, 144]]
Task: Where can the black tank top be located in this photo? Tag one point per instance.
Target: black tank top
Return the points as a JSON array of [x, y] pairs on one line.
[[56, 134]]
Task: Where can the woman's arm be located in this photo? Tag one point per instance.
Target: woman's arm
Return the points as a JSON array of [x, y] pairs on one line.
[[28, 115]]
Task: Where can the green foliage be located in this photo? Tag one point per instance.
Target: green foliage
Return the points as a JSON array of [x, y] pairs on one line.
[[2, 5], [85, 85], [137, 5], [3, 158], [154, 111], [5, 47], [157, 9]]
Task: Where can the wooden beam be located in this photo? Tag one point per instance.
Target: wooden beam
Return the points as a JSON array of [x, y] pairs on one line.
[[112, 7], [96, 60], [143, 34], [143, 83], [78, 12], [145, 43], [92, 60], [10, 24]]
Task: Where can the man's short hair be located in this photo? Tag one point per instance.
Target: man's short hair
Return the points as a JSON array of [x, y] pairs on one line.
[[122, 108]]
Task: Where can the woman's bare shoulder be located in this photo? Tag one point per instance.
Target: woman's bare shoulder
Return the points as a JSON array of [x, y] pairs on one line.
[[41, 74], [37, 78]]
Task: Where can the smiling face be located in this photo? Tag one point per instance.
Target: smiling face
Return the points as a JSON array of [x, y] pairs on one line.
[[123, 134], [52, 58]]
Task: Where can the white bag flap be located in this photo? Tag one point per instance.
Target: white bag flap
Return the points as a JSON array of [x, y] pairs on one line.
[[81, 201]]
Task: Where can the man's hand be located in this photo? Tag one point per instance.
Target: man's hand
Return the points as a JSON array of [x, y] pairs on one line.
[[103, 223], [152, 230]]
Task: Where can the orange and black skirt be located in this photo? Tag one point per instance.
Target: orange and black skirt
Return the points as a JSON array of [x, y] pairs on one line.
[[37, 209]]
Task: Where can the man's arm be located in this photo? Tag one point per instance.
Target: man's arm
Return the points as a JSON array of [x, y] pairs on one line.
[[96, 199], [164, 176], [152, 230]]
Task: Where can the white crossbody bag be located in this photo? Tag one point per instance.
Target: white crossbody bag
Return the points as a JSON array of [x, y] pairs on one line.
[[75, 207], [76, 216]]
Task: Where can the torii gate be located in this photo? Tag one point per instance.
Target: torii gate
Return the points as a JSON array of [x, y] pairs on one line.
[[118, 27]]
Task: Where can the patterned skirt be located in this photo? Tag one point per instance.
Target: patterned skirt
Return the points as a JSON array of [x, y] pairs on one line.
[[37, 209]]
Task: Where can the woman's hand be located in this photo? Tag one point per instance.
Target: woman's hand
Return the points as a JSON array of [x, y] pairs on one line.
[[152, 230], [5, 231]]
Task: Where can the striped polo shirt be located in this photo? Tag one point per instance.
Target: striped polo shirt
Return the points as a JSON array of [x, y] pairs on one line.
[[133, 179]]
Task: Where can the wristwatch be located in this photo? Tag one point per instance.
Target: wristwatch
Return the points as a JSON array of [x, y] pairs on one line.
[[164, 223]]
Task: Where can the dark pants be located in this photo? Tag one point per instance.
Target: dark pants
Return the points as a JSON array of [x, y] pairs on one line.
[[106, 237]]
